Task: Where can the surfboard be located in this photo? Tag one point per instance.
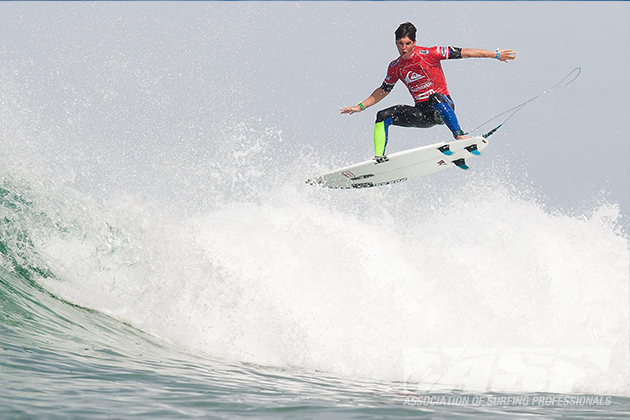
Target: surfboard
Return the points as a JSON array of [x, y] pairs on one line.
[[405, 165]]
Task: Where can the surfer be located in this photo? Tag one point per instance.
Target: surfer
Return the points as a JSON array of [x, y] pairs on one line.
[[420, 70]]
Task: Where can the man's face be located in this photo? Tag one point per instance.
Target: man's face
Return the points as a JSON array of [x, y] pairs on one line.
[[405, 47]]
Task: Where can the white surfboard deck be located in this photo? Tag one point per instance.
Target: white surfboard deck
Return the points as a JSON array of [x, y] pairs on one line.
[[402, 166]]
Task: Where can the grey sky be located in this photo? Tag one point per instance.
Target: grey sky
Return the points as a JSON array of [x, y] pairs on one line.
[[292, 65]]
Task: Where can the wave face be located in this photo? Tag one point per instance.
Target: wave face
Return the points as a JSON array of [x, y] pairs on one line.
[[124, 198]]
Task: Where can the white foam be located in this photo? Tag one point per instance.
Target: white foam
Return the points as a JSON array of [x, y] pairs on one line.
[[353, 283]]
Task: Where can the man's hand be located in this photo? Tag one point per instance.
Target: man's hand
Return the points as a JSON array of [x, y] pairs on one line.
[[351, 109], [506, 55]]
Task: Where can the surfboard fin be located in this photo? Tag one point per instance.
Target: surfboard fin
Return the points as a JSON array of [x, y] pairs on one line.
[[446, 149], [473, 149], [461, 163]]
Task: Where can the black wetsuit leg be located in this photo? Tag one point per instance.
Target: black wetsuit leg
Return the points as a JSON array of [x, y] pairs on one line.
[[409, 116]]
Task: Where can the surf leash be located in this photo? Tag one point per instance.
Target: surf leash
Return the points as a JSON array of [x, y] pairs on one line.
[[512, 111]]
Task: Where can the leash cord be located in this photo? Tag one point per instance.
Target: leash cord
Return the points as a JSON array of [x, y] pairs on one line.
[[517, 108]]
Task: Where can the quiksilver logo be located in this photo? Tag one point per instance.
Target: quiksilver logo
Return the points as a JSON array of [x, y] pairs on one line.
[[413, 76]]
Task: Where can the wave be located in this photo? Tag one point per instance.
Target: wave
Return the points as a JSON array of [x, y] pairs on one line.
[[465, 282]]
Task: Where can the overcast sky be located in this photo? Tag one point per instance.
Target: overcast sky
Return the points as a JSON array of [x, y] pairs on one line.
[[294, 65]]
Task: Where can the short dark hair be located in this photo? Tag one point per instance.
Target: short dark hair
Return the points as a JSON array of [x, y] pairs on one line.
[[406, 29]]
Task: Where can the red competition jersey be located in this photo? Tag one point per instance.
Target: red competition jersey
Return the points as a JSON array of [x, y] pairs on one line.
[[421, 72]]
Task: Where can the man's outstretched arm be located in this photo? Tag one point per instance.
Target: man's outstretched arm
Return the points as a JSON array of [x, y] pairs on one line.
[[502, 55], [374, 98]]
